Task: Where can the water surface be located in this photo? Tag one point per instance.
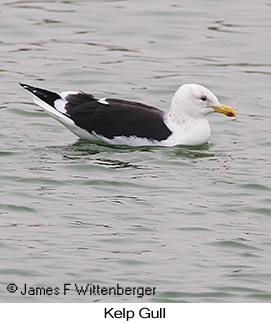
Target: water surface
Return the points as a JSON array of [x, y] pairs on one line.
[[192, 222]]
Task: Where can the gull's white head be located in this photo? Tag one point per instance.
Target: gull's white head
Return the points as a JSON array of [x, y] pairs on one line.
[[196, 101]]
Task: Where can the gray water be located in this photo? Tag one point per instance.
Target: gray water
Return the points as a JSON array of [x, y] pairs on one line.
[[195, 223]]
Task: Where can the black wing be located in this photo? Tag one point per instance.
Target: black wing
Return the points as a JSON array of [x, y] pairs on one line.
[[116, 117], [111, 117]]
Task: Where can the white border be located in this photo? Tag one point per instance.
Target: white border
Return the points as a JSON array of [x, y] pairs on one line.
[[188, 313]]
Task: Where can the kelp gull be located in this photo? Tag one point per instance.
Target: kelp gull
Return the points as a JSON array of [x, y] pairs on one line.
[[122, 122]]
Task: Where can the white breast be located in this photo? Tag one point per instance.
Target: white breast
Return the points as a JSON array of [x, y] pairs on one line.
[[188, 132]]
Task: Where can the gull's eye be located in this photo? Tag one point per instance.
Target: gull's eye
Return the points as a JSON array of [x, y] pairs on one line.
[[203, 98]]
